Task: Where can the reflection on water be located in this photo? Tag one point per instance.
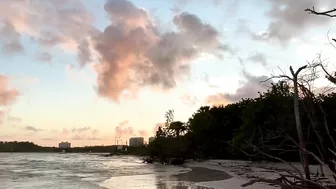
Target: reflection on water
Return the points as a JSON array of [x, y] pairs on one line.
[[70, 171], [163, 184]]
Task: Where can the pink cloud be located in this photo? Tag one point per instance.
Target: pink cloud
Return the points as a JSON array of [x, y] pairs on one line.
[[7, 94], [41, 20], [123, 130], [81, 133], [134, 53], [249, 89]]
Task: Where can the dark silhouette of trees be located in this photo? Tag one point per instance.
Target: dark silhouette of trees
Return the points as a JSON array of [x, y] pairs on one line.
[[31, 147], [263, 128], [169, 146], [16, 146], [266, 121], [178, 127]]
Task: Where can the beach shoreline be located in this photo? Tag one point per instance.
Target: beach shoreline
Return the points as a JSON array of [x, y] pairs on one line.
[[202, 174], [238, 173], [242, 172]]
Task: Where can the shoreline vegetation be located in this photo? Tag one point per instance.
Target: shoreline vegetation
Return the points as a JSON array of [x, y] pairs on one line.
[[30, 147]]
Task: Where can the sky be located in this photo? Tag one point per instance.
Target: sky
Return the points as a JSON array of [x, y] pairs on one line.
[[88, 71]]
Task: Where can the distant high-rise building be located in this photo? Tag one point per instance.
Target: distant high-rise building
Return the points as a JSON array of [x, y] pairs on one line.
[[151, 139], [136, 141], [64, 145]]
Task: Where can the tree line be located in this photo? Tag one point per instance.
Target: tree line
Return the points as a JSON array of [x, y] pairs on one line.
[[288, 122], [234, 131]]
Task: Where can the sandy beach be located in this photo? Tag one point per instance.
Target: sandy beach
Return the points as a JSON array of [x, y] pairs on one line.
[[202, 174], [239, 172], [236, 173]]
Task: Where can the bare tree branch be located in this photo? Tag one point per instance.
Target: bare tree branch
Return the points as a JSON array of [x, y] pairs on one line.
[[330, 42], [270, 181], [277, 158], [307, 151], [329, 13], [276, 77], [315, 185], [332, 152]]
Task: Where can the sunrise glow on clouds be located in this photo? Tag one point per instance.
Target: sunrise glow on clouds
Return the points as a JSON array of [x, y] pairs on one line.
[[87, 71]]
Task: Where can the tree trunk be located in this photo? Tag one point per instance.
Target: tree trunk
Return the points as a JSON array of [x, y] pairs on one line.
[[303, 155]]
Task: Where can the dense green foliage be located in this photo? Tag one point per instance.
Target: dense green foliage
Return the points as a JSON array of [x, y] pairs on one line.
[[267, 122]]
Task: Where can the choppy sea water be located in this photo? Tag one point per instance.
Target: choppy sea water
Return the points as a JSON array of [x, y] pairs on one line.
[[84, 171]]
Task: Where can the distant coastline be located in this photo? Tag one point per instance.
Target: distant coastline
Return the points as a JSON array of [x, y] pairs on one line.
[[30, 147]]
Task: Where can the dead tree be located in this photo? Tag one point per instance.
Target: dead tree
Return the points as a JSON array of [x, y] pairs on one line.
[[307, 182], [302, 144], [302, 86], [303, 155]]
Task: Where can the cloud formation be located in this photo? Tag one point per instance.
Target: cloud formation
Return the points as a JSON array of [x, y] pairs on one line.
[[31, 128], [7, 94], [64, 23], [10, 39], [123, 130], [44, 57], [85, 137], [81, 129], [249, 89], [134, 53], [289, 20], [258, 57], [180, 4], [81, 133]]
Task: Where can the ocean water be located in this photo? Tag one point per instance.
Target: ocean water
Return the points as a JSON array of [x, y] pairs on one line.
[[84, 171]]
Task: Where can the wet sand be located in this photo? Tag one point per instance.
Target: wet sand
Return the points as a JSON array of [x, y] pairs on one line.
[[201, 174]]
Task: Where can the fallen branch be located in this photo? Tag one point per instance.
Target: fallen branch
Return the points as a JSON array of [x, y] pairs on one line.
[[313, 184], [284, 182], [279, 159], [270, 181]]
